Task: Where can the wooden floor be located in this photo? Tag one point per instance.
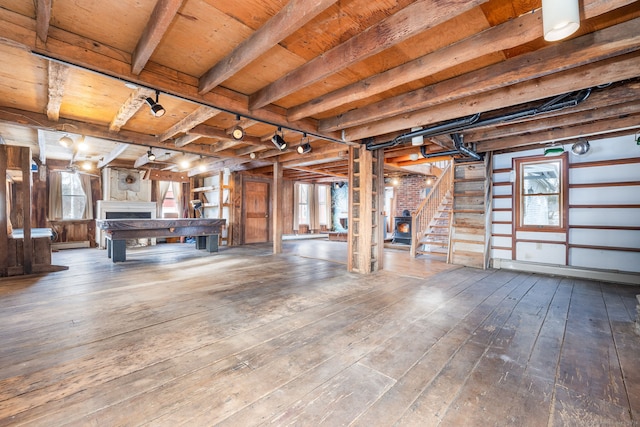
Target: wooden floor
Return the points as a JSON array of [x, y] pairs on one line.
[[176, 336]]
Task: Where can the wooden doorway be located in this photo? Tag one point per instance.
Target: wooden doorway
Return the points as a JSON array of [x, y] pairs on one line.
[[256, 212]]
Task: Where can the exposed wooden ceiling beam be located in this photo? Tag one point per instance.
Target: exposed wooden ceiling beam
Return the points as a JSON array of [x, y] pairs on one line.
[[43, 18], [212, 132], [284, 23], [130, 107], [58, 75], [42, 145], [186, 139], [573, 119], [159, 21], [600, 127], [158, 175], [40, 121], [609, 42], [599, 73], [398, 27], [320, 171], [199, 115], [113, 155], [92, 55], [512, 33]]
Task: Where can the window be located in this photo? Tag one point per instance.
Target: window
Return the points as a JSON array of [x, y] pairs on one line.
[[74, 198], [323, 205], [541, 193], [169, 206], [303, 204]]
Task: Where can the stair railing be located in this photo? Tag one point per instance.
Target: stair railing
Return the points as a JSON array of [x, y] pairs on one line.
[[421, 218]]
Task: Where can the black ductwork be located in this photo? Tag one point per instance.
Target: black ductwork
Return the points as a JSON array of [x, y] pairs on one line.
[[457, 142], [454, 127]]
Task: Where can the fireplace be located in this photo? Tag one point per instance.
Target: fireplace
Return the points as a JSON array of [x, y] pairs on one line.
[[402, 230], [118, 209]]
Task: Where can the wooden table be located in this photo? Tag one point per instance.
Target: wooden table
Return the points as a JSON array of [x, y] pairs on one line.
[[117, 231]]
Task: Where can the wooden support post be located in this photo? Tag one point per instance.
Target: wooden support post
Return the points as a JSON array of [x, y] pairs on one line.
[[27, 244], [278, 202], [4, 238], [364, 253]]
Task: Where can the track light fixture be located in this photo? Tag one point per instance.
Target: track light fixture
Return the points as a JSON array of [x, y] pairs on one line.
[[156, 109], [150, 155], [237, 132], [581, 147], [279, 141], [304, 146], [66, 141]]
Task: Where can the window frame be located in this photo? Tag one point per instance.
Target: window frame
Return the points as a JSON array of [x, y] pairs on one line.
[[518, 167], [69, 196]]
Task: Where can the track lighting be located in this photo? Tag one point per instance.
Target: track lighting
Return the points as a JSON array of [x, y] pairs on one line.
[[560, 18], [156, 109], [66, 141], [279, 142], [304, 146], [581, 147], [150, 155], [237, 132]]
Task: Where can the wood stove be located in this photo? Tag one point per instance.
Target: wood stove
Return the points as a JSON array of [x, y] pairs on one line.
[[402, 230]]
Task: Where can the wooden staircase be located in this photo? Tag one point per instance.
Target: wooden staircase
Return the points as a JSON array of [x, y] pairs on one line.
[[430, 223], [435, 239], [471, 214]]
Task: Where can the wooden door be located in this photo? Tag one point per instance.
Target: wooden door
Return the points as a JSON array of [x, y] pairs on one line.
[[256, 216]]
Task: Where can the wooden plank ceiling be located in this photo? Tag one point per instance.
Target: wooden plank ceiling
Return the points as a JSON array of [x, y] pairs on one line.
[[333, 73]]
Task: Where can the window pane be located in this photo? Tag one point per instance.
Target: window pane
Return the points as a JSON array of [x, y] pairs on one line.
[[73, 197], [541, 178], [541, 210]]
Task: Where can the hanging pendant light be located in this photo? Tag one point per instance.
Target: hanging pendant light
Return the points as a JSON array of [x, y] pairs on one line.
[[560, 18]]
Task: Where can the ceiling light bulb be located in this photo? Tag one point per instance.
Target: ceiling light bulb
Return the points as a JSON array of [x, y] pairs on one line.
[[184, 164], [66, 141], [414, 156], [252, 156], [237, 133], [87, 166], [150, 155], [82, 145], [202, 167]]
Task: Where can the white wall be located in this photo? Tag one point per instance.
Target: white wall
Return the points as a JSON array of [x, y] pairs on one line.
[[609, 248], [116, 187]]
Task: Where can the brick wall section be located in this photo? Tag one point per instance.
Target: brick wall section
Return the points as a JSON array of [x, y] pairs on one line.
[[407, 193]]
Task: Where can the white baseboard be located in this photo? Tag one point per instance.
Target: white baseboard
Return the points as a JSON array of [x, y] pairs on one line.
[[564, 270]]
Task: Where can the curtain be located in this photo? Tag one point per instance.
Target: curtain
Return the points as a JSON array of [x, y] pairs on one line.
[[177, 195], [55, 196], [313, 208], [8, 193], [85, 183], [162, 193]]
